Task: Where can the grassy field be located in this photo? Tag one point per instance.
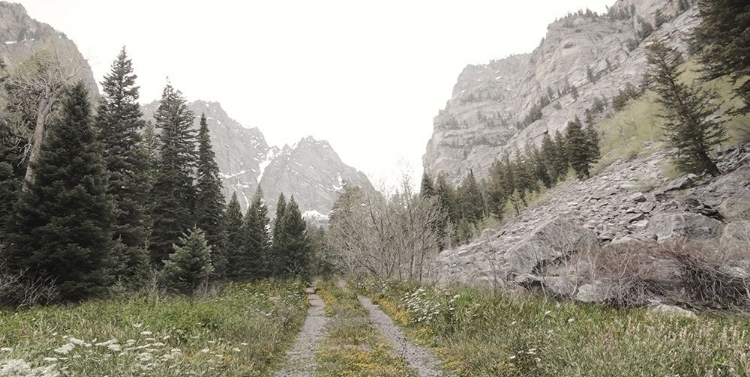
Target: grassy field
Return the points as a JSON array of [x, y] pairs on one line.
[[242, 330], [354, 347], [478, 333]]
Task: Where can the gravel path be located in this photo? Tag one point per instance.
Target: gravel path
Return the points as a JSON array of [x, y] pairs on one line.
[[301, 359], [418, 357]]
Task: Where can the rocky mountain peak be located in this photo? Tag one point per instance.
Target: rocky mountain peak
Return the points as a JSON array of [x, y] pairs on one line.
[[309, 169]]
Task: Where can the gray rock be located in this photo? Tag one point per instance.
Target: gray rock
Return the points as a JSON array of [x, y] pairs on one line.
[[671, 311], [646, 207], [557, 286], [548, 243], [592, 292], [637, 198], [737, 236], [681, 183], [687, 226]]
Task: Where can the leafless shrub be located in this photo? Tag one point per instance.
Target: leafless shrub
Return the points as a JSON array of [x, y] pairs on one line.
[[25, 289]]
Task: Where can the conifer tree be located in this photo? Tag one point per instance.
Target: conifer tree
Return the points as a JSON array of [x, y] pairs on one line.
[[209, 204], [119, 126], [426, 188], [562, 165], [592, 140], [723, 34], [578, 149], [11, 175], [523, 175], [275, 260], [62, 227], [173, 194], [257, 240], [471, 200], [235, 237], [688, 123], [294, 245], [536, 160], [496, 193], [549, 157], [190, 263], [447, 198]]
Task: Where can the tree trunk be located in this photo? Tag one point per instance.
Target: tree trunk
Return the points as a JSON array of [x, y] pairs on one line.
[[36, 143]]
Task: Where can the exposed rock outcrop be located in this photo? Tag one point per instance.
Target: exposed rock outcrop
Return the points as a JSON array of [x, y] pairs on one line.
[[597, 56]]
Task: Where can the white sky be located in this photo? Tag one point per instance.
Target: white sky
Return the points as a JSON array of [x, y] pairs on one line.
[[368, 76]]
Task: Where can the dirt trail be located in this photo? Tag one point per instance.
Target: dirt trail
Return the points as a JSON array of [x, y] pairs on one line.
[[417, 357], [301, 359]]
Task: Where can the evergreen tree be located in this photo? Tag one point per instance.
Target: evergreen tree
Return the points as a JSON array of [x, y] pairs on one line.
[[190, 263], [209, 205], [235, 237], [592, 140], [62, 227], [11, 176], [578, 149], [447, 198], [173, 194], [497, 196], [471, 201], [723, 34], [539, 167], [549, 157], [524, 178], [257, 240], [274, 260], [562, 164], [688, 111], [294, 245], [119, 126], [426, 188]]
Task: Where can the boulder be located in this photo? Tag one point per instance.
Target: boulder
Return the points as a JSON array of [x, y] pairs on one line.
[[550, 242], [593, 292], [556, 286], [737, 235], [687, 226]]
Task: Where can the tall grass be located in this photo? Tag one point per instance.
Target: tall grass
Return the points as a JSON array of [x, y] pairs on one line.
[[242, 331], [480, 333]]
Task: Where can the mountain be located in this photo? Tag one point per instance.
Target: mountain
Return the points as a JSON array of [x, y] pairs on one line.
[[21, 37], [310, 169], [488, 112]]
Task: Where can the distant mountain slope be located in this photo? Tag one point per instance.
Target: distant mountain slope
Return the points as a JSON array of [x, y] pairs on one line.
[[596, 55], [21, 36], [310, 169]]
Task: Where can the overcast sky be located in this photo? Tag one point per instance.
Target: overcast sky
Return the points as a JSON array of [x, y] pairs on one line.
[[368, 76]]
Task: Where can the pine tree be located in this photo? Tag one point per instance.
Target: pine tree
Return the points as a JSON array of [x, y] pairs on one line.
[[119, 127], [578, 149], [235, 238], [536, 160], [294, 245], [523, 174], [592, 140], [173, 194], [723, 34], [562, 165], [257, 240], [62, 227], [471, 201], [447, 198], [11, 176], [209, 204], [496, 193], [426, 187], [688, 124], [189, 265], [549, 157], [275, 260]]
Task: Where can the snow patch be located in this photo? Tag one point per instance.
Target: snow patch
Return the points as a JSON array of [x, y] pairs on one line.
[[264, 164], [340, 185], [227, 176], [10, 42], [314, 215]]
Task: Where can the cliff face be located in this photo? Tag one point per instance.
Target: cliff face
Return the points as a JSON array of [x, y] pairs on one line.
[[21, 37], [485, 115], [310, 169]]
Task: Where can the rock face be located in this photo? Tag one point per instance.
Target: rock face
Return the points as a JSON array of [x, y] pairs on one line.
[[21, 37], [310, 169], [481, 120]]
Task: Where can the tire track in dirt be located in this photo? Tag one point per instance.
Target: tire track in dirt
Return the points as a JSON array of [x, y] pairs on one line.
[[301, 359]]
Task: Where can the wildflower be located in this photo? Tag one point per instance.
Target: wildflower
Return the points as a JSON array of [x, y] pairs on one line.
[[107, 343], [165, 337], [130, 342], [65, 348], [137, 325], [236, 349], [51, 359], [146, 333], [243, 344], [6, 349], [114, 347], [512, 357], [205, 350]]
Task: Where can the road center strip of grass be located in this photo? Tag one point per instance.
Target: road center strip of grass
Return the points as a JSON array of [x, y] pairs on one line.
[[353, 346], [242, 331]]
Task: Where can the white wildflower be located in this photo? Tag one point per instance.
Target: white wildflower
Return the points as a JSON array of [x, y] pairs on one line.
[[236, 349], [205, 350], [146, 333], [65, 348], [130, 342], [150, 339], [6, 349], [114, 347], [107, 343], [243, 344], [158, 344], [51, 359], [165, 337], [137, 325]]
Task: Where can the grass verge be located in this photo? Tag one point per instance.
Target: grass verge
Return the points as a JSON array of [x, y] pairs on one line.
[[353, 346], [478, 333], [242, 331]]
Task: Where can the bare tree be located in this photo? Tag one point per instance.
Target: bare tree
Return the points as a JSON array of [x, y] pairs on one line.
[[34, 88]]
